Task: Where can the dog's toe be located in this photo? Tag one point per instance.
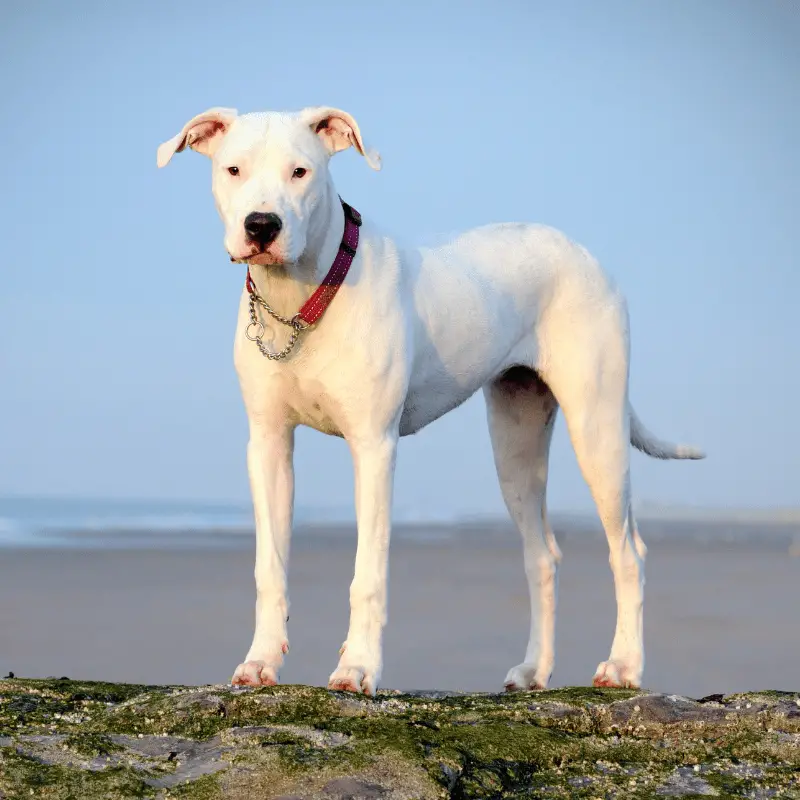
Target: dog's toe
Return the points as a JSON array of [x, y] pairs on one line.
[[513, 686], [352, 679], [524, 678], [255, 673], [615, 675], [345, 685]]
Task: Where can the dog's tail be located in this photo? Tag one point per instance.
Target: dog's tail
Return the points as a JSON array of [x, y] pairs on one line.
[[645, 441]]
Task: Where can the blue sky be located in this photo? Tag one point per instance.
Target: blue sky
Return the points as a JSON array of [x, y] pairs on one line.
[[662, 136]]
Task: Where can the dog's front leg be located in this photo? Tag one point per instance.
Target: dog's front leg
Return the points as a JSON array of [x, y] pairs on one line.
[[359, 668], [269, 463]]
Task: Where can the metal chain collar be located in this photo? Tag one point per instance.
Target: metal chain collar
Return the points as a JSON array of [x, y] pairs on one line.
[[315, 306], [295, 323]]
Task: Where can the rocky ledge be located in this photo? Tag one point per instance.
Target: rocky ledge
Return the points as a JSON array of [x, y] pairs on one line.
[[69, 739]]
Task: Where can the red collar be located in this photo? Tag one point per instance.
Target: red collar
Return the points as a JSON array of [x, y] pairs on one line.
[[315, 306]]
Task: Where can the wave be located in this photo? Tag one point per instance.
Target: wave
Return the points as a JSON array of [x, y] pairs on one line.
[[52, 522], [43, 520]]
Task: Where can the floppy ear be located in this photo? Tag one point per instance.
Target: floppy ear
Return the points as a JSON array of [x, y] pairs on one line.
[[337, 130], [202, 133]]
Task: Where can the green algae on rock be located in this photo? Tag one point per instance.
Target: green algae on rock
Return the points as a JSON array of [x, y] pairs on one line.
[[70, 739]]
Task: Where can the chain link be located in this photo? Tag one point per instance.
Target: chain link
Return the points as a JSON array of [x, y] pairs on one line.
[[296, 324]]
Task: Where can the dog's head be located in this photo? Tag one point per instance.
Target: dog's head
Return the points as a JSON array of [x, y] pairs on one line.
[[270, 175]]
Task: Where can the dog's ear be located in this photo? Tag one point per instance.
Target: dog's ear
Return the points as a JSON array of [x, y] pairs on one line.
[[337, 130], [202, 133]]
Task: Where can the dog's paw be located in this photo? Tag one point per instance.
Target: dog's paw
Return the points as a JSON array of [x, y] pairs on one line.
[[353, 679], [617, 675], [524, 678], [257, 673]]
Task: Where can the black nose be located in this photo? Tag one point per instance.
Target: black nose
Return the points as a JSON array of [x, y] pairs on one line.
[[262, 229]]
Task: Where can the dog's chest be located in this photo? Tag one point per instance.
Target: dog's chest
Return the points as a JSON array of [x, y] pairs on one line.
[[317, 412], [276, 390]]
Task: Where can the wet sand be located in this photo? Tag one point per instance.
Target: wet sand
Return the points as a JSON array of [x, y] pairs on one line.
[[719, 616]]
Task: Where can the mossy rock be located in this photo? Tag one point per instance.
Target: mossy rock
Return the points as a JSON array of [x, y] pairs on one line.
[[71, 739]]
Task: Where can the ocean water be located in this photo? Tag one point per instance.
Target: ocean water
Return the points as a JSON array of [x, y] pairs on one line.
[[42, 522], [97, 523]]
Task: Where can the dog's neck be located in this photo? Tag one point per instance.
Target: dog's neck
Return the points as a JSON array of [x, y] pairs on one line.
[[287, 286]]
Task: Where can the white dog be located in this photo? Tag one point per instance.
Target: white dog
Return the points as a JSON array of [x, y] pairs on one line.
[[517, 310]]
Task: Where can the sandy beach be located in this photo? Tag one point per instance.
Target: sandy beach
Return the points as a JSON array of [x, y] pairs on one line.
[[720, 616]]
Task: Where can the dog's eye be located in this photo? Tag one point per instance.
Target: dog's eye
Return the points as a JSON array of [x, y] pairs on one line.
[[233, 170], [299, 172]]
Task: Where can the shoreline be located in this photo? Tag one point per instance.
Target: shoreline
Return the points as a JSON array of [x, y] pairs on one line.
[[711, 532]]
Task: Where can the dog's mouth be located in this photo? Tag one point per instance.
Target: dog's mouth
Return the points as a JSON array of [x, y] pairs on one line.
[[263, 258]]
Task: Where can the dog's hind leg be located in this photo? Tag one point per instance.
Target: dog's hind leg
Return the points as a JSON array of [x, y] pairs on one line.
[[588, 374], [521, 412]]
